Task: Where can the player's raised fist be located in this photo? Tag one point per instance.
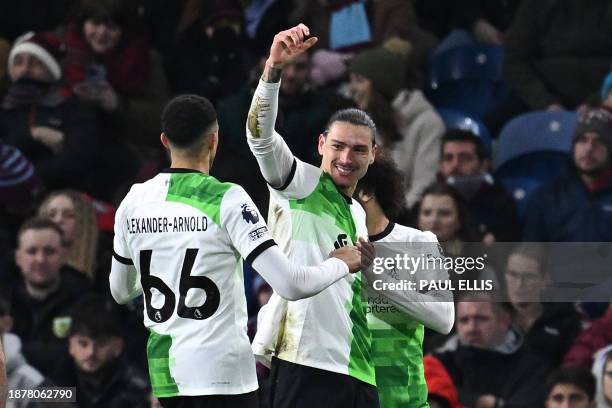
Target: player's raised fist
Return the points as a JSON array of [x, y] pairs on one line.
[[289, 43], [350, 255]]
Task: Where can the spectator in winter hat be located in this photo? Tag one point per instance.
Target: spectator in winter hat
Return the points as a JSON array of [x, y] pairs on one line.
[[408, 125], [583, 196], [40, 118]]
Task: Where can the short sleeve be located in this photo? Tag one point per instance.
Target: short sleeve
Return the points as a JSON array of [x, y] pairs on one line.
[[244, 224], [120, 248]]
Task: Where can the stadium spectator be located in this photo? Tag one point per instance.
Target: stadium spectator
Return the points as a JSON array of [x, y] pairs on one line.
[[19, 374], [557, 54], [75, 215], [489, 362], [303, 110], [483, 20], [549, 328], [109, 64], [465, 164], [570, 388], [606, 95], [408, 126], [597, 336], [442, 392], [263, 292], [582, 197], [384, 19], [602, 371], [53, 130], [19, 190], [442, 210], [207, 57], [96, 366], [41, 300]]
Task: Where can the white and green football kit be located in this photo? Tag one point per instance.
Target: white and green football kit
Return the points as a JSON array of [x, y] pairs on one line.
[[180, 239], [309, 217], [397, 332]]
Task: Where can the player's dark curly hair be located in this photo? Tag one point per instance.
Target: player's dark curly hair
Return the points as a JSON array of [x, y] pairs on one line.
[[187, 119], [385, 182]]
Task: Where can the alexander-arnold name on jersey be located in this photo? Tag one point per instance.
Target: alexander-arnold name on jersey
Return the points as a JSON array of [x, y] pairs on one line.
[[152, 225]]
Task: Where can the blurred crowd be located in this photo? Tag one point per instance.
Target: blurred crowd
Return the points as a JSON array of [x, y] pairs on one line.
[[82, 86]]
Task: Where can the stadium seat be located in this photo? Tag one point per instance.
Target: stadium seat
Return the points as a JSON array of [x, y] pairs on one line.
[[454, 119], [468, 78], [532, 149]]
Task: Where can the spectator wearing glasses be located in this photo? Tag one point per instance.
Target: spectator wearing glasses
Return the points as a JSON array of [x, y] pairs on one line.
[[549, 328]]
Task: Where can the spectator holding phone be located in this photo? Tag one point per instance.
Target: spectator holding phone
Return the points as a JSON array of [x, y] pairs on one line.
[[109, 64]]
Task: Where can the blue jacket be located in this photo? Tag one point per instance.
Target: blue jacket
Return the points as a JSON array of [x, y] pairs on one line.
[[566, 211]]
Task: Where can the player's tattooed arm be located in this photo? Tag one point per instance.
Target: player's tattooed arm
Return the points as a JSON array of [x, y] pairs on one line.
[[272, 74]]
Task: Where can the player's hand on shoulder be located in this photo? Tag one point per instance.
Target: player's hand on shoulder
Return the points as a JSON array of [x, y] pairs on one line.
[[289, 43]]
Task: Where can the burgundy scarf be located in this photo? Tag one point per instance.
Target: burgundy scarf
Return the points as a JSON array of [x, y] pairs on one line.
[[127, 66]]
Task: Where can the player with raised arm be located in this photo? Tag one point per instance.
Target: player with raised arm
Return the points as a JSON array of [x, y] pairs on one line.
[[180, 239], [397, 333], [320, 348]]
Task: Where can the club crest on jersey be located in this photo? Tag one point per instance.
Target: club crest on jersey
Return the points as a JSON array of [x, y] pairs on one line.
[[249, 214]]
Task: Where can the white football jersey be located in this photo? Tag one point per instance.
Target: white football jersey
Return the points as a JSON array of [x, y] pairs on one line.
[[186, 233], [310, 217]]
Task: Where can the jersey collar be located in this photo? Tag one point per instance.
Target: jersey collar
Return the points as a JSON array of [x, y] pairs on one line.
[[180, 170], [384, 233]]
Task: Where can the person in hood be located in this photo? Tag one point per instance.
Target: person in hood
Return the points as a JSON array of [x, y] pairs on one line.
[[487, 359], [602, 370], [382, 84]]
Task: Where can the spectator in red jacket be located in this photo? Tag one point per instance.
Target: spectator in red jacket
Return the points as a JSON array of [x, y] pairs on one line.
[[442, 392], [589, 341]]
